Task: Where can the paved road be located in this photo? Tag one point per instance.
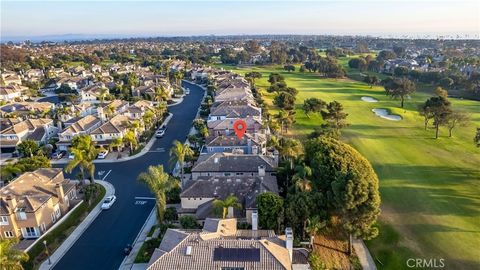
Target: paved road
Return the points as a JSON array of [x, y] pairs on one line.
[[101, 245]]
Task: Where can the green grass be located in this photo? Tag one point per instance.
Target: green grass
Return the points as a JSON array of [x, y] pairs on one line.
[[429, 188], [56, 237]]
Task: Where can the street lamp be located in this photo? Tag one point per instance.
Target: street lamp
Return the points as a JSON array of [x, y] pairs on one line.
[[46, 251]]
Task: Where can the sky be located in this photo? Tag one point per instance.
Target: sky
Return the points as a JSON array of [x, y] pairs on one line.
[[163, 18]]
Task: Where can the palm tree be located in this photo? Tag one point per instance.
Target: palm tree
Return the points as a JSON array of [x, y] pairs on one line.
[[108, 111], [315, 226], [159, 182], [11, 258], [290, 149], [116, 143], [178, 153], [103, 94], [300, 178], [148, 118], [85, 152], [224, 205], [130, 139], [161, 109], [160, 94], [284, 120]]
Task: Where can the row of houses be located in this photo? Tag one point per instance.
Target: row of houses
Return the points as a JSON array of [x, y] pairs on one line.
[[103, 123], [228, 165]]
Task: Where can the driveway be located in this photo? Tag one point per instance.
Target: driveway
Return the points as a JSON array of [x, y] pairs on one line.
[[101, 245]]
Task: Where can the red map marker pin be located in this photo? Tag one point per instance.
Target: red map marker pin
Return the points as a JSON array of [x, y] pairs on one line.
[[240, 127]]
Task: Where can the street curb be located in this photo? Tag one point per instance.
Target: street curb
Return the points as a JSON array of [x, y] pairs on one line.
[[65, 246], [123, 264]]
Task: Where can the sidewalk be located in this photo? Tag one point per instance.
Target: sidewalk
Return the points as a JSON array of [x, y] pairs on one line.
[[145, 150], [363, 255], [129, 261], [73, 237]]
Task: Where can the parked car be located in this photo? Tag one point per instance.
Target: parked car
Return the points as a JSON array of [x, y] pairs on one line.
[[71, 155], [160, 132], [103, 154], [58, 154], [108, 202], [187, 91]]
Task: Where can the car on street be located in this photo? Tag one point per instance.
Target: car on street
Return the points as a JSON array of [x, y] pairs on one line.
[[58, 154], [160, 132], [103, 154], [71, 155], [187, 91], [108, 202]]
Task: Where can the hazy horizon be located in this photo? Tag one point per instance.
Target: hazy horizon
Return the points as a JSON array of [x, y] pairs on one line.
[[123, 19]]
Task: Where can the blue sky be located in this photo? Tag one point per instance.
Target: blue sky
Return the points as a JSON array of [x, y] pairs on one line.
[[159, 18]]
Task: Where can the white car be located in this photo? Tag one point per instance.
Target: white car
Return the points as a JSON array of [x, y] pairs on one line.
[[160, 132], [103, 154], [187, 91], [108, 202], [71, 156]]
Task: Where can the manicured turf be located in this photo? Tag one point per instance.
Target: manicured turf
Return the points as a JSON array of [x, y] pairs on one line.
[[430, 189]]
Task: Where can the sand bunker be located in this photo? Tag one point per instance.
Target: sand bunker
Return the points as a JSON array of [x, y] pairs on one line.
[[383, 113], [369, 99]]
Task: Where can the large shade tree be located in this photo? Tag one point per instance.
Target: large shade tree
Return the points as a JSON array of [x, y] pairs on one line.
[[399, 88], [348, 182], [270, 211]]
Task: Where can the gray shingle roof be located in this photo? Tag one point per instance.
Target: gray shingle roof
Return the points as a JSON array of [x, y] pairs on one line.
[[228, 162]]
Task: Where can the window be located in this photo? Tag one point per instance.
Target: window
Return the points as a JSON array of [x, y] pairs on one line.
[[20, 214], [227, 174], [43, 227], [233, 268], [30, 232], [239, 173], [8, 234], [54, 218], [3, 220]]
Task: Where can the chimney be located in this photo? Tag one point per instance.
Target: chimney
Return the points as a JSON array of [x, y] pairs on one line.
[[289, 241], [230, 212], [11, 202], [255, 220], [59, 125], [255, 150], [261, 170], [215, 160], [275, 157], [60, 194]]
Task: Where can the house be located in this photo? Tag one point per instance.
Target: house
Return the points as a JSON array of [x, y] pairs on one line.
[[72, 82], [112, 108], [138, 109], [234, 94], [77, 126], [108, 131], [220, 245], [248, 144], [93, 92], [10, 78], [34, 75], [78, 110], [198, 195], [12, 92], [234, 111], [35, 201], [26, 109], [225, 126], [231, 164], [38, 130]]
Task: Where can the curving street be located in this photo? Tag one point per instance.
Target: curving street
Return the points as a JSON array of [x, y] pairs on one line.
[[101, 245]]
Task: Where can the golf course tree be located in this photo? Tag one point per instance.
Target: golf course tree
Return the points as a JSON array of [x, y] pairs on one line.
[[289, 68], [270, 211], [284, 100], [10, 257], [159, 183], [300, 206], [439, 110], [252, 77], [313, 105], [275, 78], [28, 148], [349, 184], [178, 154], [476, 139], [456, 118], [358, 63], [399, 88], [221, 207], [335, 116], [371, 80], [85, 152]]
